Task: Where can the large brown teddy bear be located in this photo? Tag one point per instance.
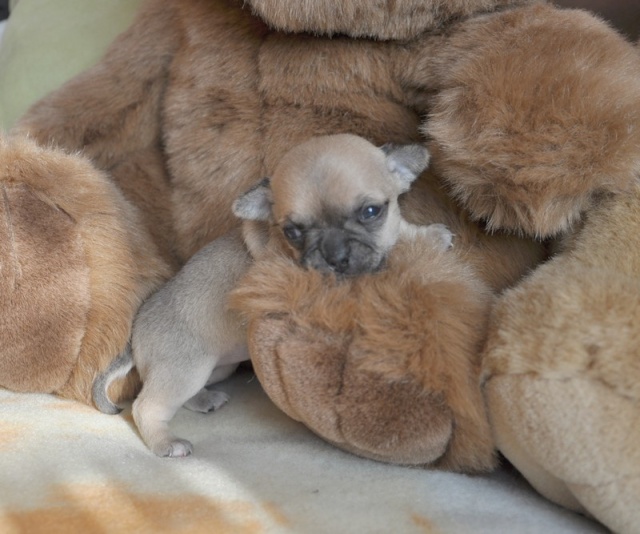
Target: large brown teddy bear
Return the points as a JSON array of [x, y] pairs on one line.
[[532, 117]]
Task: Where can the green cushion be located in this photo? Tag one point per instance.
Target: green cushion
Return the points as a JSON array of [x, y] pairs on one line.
[[47, 42]]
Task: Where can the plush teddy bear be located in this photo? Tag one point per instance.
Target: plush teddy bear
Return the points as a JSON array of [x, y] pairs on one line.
[[532, 118]]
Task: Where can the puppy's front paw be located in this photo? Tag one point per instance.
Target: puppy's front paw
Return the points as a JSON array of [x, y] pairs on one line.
[[438, 232], [207, 400], [176, 448]]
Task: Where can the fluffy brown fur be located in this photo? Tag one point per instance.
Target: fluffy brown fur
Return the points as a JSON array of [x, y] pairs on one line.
[[62, 216], [566, 341], [381, 20], [510, 129], [499, 259], [385, 365], [536, 116], [593, 281]]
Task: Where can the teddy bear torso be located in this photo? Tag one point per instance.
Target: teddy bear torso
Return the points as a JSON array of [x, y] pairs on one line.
[[240, 95]]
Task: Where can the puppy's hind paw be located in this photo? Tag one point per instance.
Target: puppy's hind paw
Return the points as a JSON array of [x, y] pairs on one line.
[[177, 448], [207, 400]]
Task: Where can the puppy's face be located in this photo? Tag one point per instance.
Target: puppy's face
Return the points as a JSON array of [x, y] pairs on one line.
[[332, 201]]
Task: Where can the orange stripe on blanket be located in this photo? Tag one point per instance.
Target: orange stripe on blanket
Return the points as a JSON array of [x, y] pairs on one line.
[[83, 508]]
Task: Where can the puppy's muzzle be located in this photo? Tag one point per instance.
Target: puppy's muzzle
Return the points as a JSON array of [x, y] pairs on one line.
[[337, 251]]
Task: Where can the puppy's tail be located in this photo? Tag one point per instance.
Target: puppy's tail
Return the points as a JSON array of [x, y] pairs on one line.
[[117, 369]]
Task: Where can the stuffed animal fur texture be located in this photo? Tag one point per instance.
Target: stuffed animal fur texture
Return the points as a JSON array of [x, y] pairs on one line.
[[531, 114]]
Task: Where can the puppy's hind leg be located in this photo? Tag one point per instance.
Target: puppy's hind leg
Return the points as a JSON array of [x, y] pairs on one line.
[[164, 391]]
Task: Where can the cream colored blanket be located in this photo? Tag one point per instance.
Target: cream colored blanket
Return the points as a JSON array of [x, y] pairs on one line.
[[67, 468]]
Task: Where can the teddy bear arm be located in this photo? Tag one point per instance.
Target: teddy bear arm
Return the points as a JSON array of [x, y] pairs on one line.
[[527, 143]]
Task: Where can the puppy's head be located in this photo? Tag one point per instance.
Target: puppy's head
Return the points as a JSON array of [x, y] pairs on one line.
[[332, 201]]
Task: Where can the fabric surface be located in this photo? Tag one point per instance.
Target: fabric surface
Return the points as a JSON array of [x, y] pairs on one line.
[[68, 468], [46, 43]]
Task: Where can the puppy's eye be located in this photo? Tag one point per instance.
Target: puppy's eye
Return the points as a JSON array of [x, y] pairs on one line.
[[369, 213], [292, 232]]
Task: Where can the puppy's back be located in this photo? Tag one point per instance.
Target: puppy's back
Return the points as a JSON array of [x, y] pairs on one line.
[[192, 306]]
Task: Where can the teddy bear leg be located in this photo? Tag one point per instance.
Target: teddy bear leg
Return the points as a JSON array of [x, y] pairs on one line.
[[587, 465], [561, 372], [362, 413], [44, 316], [508, 440], [75, 265]]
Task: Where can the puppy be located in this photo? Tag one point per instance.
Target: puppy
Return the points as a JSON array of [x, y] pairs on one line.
[[183, 339], [332, 204]]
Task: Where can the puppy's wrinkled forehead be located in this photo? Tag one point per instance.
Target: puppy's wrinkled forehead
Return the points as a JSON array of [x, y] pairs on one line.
[[328, 176]]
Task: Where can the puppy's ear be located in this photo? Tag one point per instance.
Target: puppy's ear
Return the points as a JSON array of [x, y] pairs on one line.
[[255, 204], [406, 162]]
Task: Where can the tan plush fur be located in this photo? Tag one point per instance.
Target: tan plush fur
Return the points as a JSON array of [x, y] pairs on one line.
[[567, 342], [63, 216], [381, 20], [111, 114], [385, 365], [595, 279], [536, 116], [499, 259], [222, 127]]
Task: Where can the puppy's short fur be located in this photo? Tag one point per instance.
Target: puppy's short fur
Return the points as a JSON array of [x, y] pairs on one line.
[[332, 204]]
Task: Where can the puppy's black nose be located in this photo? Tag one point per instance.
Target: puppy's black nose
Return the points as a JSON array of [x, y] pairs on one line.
[[339, 263], [335, 251]]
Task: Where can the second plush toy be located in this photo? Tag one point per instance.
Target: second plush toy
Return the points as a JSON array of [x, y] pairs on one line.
[[562, 369]]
